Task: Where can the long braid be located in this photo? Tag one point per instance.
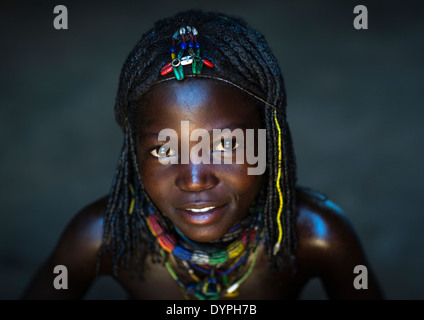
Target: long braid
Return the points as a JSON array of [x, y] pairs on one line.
[[242, 57]]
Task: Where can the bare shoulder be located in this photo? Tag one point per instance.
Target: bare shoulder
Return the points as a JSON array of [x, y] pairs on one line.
[[329, 248], [321, 224], [87, 225], [77, 250], [84, 236]]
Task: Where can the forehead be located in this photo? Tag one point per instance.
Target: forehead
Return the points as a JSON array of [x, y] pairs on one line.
[[200, 101]]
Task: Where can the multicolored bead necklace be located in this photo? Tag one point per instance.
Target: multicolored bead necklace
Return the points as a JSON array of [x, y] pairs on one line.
[[168, 242], [186, 39], [217, 265], [210, 288]]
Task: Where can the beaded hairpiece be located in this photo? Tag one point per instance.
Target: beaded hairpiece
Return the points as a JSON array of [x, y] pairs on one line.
[[186, 39]]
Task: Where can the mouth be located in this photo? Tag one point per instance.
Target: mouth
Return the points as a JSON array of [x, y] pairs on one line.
[[201, 210], [201, 213]]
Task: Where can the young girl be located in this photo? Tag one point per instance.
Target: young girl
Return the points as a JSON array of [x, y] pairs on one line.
[[174, 229]]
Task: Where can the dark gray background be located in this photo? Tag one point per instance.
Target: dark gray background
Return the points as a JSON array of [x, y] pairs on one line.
[[355, 110]]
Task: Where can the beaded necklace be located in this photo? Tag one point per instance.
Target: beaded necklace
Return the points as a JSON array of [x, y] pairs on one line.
[[215, 264], [210, 288]]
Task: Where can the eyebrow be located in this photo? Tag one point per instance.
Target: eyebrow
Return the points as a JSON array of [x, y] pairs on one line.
[[232, 126]]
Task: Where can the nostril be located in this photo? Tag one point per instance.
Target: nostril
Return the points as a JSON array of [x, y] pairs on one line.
[[195, 185], [195, 179]]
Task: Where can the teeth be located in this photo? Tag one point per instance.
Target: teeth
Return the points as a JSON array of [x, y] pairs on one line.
[[201, 210]]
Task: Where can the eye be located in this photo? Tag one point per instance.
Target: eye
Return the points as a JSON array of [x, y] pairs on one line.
[[227, 145], [163, 152]]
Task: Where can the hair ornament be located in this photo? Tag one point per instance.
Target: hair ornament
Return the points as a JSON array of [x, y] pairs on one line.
[[185, 42]]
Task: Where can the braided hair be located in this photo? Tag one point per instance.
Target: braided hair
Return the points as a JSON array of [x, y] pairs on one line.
[[241, 57]]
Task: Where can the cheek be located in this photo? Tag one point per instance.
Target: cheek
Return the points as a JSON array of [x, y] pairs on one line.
[[155, 179], [239, 182]]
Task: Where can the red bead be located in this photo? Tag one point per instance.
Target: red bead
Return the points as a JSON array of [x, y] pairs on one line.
[[208, 63], [244, 239], [166, 71], [167, 242], [154, 225], [252, 236]]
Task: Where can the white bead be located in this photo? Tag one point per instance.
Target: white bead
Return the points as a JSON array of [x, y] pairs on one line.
[[186, 60], [233, 288], [276, 248]]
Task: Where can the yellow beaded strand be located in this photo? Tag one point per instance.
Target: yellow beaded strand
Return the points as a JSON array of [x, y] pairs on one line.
[[280, 209]]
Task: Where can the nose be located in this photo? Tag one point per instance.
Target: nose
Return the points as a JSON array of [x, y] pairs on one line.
[[196, 177]]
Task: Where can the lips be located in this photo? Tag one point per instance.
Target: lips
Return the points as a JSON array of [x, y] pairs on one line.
[[201, 213]]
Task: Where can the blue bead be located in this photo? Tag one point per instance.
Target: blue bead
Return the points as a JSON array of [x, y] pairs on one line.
[[197, 45], [183, 45], [190, 44], [172, 49], [182, 253]]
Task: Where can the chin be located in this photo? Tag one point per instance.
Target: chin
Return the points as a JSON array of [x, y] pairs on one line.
[[204, 234]]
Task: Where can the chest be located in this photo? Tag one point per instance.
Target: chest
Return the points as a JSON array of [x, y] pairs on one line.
[[261, 283]]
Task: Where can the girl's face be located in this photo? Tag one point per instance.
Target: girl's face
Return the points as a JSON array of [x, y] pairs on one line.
[[203, 200]]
